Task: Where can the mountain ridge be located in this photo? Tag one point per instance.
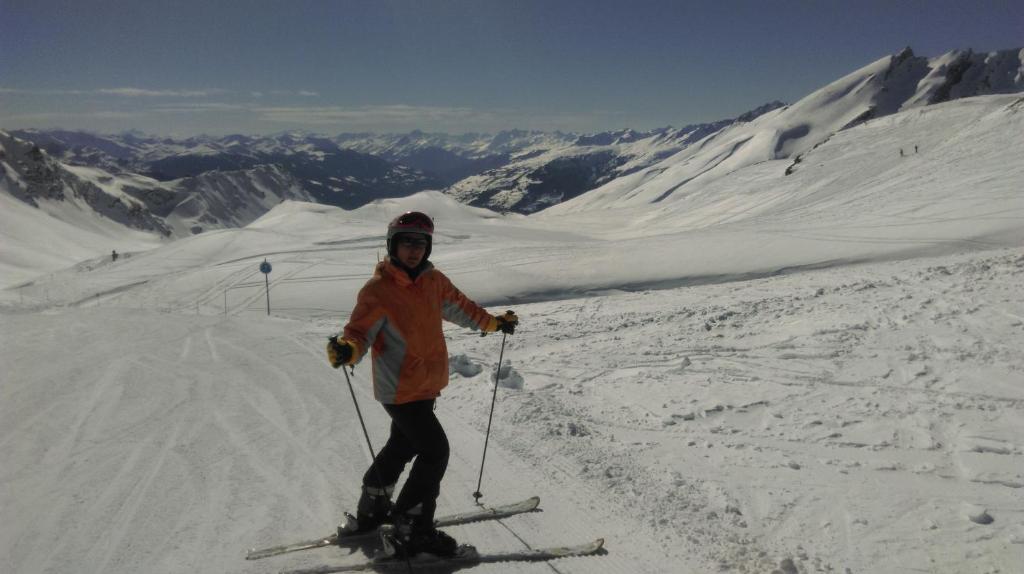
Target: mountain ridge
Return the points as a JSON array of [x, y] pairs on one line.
[[209, 182], [895, 83]]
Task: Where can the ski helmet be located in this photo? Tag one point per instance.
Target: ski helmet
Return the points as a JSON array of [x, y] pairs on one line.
[[411, 222]]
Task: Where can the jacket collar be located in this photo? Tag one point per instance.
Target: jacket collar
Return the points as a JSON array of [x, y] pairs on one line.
[[388, 269]]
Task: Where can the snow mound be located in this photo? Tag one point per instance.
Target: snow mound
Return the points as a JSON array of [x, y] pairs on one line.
[[508, 377], [442, 208], [462, 365]]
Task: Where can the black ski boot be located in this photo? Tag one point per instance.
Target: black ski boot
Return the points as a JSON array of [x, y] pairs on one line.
[[409, 535], [374, 508]]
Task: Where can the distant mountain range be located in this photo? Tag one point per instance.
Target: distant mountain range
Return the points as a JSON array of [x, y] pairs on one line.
[[185, 186], [188, 205]]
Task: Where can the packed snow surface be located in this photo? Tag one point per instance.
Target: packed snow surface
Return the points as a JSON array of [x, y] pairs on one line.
[[819, 372]]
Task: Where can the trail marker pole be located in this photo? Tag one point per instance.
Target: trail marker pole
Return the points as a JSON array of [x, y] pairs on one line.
[[265, 269]]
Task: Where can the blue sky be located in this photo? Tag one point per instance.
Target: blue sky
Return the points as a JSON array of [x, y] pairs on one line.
[[232, 66]]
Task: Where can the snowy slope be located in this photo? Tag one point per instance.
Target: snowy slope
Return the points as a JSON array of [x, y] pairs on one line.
[[38, 241], [864, 418], [899, 82], [51, 218], [542, 176]]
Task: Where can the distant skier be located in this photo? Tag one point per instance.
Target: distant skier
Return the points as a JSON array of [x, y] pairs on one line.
[[398, 315], [915, 148], [113, 255], [901, 152]]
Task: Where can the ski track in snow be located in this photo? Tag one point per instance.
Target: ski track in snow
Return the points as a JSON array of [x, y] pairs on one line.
[[879, 388]]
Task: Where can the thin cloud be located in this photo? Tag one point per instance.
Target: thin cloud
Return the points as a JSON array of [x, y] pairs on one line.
[[143, 93], [19, 91], [402, 117], [55, 116], [301, 93], [201, 107], [127, 92], [259, 116], [389, 114]]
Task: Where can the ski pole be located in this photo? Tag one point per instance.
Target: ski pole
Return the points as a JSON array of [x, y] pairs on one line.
[[373, 456], [494, 397], [362, 423]]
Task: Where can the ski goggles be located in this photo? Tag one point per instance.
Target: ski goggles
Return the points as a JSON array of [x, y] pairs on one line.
[[412, 242], [415, 220]]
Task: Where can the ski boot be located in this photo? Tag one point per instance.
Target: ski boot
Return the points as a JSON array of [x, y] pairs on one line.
[[409, 535], [374, 509]]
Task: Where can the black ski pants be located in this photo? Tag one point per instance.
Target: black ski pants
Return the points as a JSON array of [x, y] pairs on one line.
[[415, 433]]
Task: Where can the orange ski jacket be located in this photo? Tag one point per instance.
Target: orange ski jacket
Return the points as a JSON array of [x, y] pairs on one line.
[[400, 320]]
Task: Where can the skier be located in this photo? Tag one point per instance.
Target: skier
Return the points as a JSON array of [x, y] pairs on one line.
[[398, 315]]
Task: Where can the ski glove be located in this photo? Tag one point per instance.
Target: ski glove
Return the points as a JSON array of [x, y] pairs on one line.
[[340, 352], [505, 323]]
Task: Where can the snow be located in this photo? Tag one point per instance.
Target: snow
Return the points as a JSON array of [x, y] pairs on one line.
[[114, 185], [38, 241], [819, 372]]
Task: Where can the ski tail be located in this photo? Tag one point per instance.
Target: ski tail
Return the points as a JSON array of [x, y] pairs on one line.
[[467, 555], [344, 537]]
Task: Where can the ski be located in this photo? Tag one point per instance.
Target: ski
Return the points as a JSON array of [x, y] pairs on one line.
[[475, 515], [467, 555]]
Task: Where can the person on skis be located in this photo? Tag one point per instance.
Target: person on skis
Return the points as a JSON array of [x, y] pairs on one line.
[[397, 317]]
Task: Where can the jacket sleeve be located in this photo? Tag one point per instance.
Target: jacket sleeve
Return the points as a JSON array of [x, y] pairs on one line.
[[459, 309], [368, 318]]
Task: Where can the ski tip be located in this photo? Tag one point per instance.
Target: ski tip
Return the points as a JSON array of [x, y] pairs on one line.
[[255, 554]]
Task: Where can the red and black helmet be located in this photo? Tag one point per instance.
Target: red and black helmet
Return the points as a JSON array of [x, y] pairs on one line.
[[411, 222]]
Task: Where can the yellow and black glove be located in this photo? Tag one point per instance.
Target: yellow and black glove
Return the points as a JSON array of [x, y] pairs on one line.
[[341, 352], [505, 323]]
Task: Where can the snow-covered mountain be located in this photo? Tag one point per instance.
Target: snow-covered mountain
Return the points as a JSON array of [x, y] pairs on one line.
[[895, 83], [212, 200], [527, 171], [179, 207], [511, 171], [51, 219], [451, 158], [326, 171], [546, 175], [32, 176]]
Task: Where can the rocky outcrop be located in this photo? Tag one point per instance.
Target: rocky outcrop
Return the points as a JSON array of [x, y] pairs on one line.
[[31, 175]]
